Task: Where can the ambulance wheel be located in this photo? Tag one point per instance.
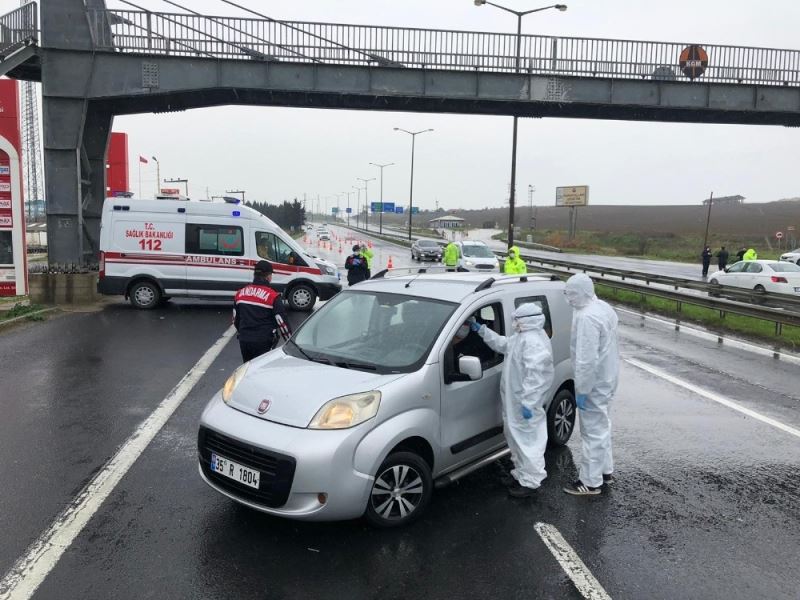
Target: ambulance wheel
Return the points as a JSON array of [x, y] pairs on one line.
[[145, 295], [301, 297], [561, 418]]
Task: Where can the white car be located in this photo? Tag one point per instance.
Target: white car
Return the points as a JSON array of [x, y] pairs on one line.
[[793, 256], [476, 256], [760, 276]]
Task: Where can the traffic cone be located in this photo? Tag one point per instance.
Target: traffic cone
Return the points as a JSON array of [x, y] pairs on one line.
[[390, 265], [340, 248]]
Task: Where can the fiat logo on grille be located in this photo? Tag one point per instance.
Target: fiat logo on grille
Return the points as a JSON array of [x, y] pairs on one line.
[[264, 406]]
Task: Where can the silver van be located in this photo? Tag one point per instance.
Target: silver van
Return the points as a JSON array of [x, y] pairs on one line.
[[372, 403]]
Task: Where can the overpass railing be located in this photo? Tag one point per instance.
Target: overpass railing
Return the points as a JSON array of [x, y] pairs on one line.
[[18, 28], [181, 34]]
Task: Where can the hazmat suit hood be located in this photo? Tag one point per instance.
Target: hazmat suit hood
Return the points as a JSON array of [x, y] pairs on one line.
[[528, 317], [579, 290], [513, 252]]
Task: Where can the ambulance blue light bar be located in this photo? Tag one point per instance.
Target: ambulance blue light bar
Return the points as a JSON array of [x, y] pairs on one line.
[[231, 200]]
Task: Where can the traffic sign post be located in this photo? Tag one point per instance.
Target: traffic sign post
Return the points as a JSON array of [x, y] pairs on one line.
[[779, 237], [388, 207]]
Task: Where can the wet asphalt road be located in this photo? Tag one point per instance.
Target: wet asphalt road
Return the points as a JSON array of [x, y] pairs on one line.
[[707, 504]]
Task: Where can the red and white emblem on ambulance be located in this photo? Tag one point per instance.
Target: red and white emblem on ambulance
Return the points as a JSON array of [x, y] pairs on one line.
[[264, 406]]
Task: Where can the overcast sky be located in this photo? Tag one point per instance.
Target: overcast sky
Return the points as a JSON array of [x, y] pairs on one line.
[[281, 153]]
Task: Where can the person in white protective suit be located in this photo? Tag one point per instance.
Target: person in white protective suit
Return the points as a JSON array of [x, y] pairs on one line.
[[595, 360], [524, 385]]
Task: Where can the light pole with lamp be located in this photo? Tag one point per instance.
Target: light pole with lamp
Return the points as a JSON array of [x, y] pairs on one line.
[[366, 199], [381, 167], [348, 206], [519, 14], [358, 206], [413, 135]]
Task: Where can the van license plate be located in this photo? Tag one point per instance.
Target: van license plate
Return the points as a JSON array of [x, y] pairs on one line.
[[235, 471]]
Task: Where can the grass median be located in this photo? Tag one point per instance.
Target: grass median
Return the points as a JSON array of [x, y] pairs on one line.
[[21, 310], [748, 326]]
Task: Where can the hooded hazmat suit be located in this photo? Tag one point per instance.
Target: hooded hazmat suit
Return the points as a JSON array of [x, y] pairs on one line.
[[514, 264], [596, 365], [525, 382]]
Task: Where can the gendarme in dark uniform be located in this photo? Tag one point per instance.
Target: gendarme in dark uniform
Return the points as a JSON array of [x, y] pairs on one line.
[[255, 309]]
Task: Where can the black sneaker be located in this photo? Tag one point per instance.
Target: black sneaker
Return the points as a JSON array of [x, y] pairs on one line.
[[578, 489], [609, 479], [520, 491]]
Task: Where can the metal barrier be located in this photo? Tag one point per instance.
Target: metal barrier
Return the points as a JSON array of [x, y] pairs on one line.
[[266, 39], [18, 29]]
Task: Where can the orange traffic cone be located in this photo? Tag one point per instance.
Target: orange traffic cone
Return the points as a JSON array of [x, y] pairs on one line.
[[390, 265]]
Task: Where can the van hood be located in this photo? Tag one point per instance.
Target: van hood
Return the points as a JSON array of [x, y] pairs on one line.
[[296, 389]]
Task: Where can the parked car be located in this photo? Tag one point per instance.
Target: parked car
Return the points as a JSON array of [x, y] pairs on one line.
[[423, 249], [760, 276], [476, 256], [404, 408], [793, 256]]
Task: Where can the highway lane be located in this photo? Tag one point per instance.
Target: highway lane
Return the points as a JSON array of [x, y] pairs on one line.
[[706, 505]]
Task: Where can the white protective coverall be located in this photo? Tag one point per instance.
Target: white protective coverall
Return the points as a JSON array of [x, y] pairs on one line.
[[525, 381], [596, 364]]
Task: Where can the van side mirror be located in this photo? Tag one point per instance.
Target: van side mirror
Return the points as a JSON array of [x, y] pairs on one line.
[[471, 367]]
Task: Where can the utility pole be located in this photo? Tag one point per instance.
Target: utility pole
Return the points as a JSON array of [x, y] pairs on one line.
[[708, 219], [158, 176], [366, 198], [381, 167]]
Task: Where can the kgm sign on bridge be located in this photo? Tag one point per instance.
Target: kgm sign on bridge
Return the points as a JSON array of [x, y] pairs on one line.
[[693, 61]]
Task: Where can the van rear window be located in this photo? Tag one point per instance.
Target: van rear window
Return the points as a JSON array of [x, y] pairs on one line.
[[214, 239]]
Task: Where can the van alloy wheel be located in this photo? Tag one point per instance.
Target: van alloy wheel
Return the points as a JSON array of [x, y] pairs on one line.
[[561, 418], [401, 490], [302, 297], [145, 295]]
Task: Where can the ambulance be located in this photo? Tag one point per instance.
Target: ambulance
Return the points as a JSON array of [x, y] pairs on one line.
[[153, 250]]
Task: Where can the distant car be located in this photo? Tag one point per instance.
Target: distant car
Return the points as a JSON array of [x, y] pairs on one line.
[[760, 276], [793, 256], [426, 250], [476, 256], [324, 236]]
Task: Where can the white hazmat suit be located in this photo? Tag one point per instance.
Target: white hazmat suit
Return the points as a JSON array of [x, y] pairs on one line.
[[525, 382], [595, 358]]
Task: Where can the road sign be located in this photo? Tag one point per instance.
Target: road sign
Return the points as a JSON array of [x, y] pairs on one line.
[[348, 210], [693, 61], [170, 191], [388, 207], [335, 210], [375, 207], [779, 235], [398, 210], [577, 195], [414, 210]]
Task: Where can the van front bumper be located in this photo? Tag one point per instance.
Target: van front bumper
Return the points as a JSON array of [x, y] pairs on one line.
[[308, 463]]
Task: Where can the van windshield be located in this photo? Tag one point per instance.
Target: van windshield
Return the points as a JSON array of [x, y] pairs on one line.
[[372, 331], [477, 251]]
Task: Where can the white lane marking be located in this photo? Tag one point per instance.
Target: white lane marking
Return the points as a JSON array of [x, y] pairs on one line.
[[569, 560], [30, 570], [712, 396], [780, 354]]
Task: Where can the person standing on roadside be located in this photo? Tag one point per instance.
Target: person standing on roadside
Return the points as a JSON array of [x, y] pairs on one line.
[[357, 267], [514, 265], [525, 383], [595, 357], [750, 255], [722, 258], [259, 314], [706, 258], [740, 254], [451, 256], [368, 254]]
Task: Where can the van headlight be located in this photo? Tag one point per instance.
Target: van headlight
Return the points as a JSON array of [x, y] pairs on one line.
[[347, 411], [326, 269], [469, 263], [233, 381]]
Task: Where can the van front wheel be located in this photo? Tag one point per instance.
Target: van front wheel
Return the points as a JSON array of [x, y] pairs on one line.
[[145, 295], [301, 297], [401, 491]]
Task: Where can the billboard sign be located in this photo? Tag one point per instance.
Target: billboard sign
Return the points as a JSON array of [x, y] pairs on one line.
[[398, 210], [170, 192], [349, 210], [388, 207], [577, 195], [13, 254], [375, 207], [414, 210]]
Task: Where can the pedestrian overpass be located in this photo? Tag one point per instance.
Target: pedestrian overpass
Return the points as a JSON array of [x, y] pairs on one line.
[[95, 63]]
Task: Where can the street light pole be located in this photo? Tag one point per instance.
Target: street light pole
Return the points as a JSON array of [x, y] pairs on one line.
[[366, 199], [358, 206], [512, 193], [380, 227], [413, 135]]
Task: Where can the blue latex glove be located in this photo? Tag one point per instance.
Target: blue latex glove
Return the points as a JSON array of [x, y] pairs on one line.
[[580, 400], [526, 413], [474, 325]]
